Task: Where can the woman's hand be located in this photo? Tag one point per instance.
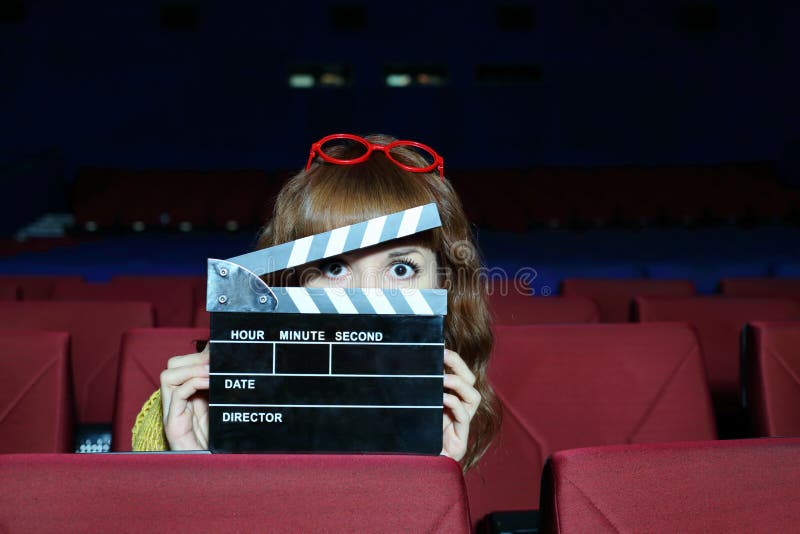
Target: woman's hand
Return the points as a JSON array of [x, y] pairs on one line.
[[184, 398], [461, 402]]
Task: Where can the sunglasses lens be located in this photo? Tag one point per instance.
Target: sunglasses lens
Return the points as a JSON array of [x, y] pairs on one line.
[[412, 156], [344, 149]]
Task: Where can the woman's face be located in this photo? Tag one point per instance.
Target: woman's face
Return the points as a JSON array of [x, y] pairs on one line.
[[395, 264]]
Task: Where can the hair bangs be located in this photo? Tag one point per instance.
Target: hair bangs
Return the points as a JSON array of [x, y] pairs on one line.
[[339, 195]]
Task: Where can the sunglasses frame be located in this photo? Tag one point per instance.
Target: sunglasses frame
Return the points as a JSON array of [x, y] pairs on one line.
[[316, 150]]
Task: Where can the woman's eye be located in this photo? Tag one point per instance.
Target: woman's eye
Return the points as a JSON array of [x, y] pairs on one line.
[[403, 270], [334, 269]]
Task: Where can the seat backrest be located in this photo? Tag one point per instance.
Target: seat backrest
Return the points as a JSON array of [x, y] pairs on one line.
[[761, 287], [566, 386], [145, 352], [38, 287], [35, 392], [172, 296], [96, 330], [718, 486], [719, 322], [772, 378], [614, 297], [229, 493], [705, 273], [516, 308], [9, 290], [202, 319]]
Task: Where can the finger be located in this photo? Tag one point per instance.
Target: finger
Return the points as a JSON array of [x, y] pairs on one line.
[[178, 375], [199, 408], [188, 359], [461, 422], [468, 394], [171, 379], [458, 366], [180, 397]]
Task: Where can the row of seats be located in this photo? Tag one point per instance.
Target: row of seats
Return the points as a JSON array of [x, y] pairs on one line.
[[568, 386], [179, 301], [225, 199], [175, 299], [609, 195], [562, 387], [11, 246], [96, 328], [704, 486], [105, 198]]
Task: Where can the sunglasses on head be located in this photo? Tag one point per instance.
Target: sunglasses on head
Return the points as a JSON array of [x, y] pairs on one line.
[[361, 149]]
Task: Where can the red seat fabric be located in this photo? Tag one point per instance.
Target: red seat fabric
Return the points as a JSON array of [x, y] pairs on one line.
[[172, 296], [761, 287], [35, 392], [144, 355], [614, 297], [232, 493], [516, 308], [717, 486], [719, 322], [9, 290], [202, 319], [96, 330], [38, 287], [566, 386], [772, 378]]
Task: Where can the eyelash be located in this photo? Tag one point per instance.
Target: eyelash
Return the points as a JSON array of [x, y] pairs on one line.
[[406, 261], [398, 261]]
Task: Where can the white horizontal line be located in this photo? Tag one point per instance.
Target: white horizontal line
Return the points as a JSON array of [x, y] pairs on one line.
[[327, 375], [320, 342], [323, 406]]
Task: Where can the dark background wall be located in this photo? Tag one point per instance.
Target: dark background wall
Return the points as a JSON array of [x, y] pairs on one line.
[[202, 84]]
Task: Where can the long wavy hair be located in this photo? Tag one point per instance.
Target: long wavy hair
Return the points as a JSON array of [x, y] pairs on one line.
[[328, 196]]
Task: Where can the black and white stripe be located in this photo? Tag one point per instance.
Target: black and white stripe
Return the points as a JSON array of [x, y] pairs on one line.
[[361, 301], [340, 240]]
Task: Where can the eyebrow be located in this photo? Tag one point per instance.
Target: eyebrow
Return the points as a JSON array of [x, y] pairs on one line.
[[404, 252], [394, 254]]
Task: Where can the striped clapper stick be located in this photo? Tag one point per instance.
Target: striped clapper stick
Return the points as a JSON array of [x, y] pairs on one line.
[[298, 369]]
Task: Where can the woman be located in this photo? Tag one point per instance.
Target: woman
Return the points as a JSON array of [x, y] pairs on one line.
[[349, 179]]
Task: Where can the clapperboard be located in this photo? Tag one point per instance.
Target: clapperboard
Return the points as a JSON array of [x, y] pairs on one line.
[[325, 369]]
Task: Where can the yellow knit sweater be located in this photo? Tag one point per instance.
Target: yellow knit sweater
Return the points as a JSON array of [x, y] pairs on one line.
[[148, 430]]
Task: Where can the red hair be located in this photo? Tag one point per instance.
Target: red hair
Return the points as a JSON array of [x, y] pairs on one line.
[[329, 196]]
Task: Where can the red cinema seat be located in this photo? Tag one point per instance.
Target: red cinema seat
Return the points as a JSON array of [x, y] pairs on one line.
[[202, 319], [35, 392], [715, 486], [171, 296], [567, 386], [9, 290], [772, 378], [761, 287], [96, 330], [232, 493], [614, 297], [38, 287], [516, 308], [245, 200], [198, 289], [145, 352], [719, 322]]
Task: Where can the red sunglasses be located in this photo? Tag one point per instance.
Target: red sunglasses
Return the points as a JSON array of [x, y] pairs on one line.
[[430, 156]]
